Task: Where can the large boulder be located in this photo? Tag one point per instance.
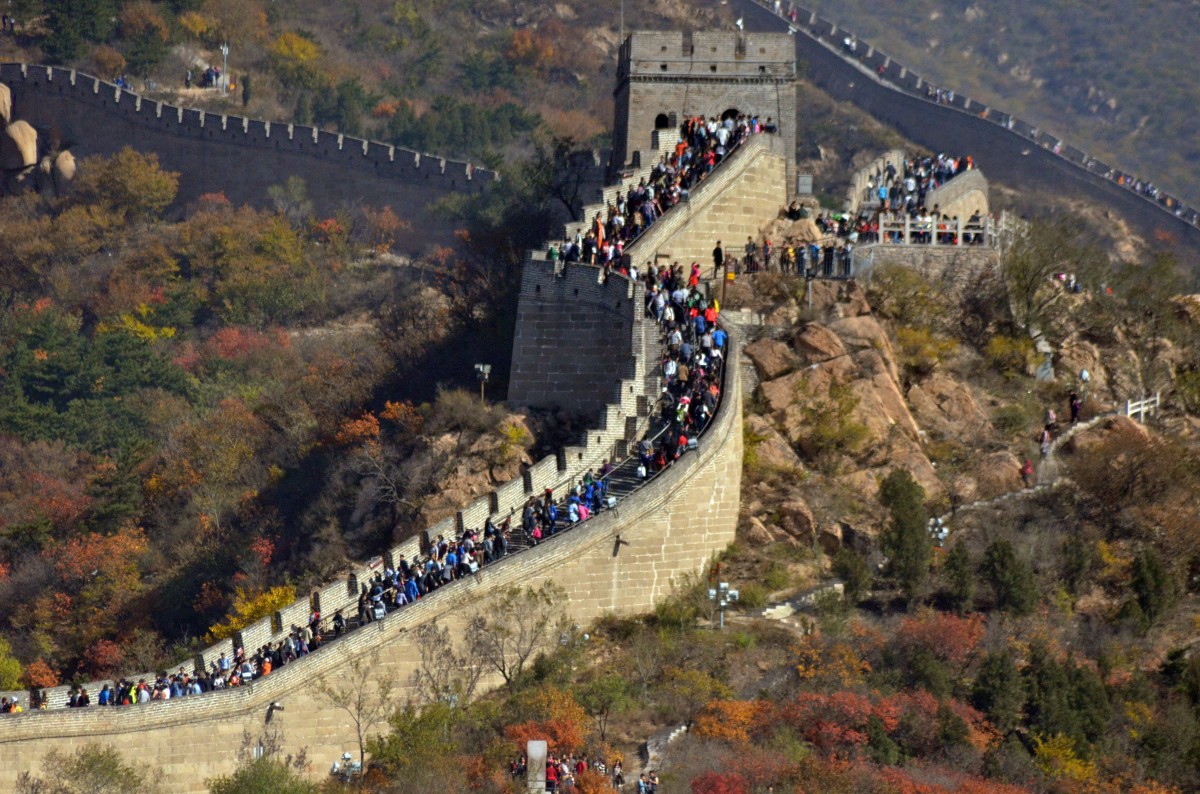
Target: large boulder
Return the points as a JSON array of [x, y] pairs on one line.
[[830, 538], [817, 343], [18, 146], [755, 533], [945, 406], [771, 358], [796, 519], [5, 104], [771, 450]]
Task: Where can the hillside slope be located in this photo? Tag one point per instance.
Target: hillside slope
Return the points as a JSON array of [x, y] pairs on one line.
[[1103, 75]]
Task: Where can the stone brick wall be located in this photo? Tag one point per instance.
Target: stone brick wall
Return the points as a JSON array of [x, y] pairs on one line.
[[577, 338], [673, 74], [955, 265], [237, 156], [962, 196], [669, 528], [742, 195]]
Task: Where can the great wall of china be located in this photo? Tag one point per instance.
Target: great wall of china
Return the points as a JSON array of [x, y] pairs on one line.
[[237, 156], [622, 561], [1022, 157]]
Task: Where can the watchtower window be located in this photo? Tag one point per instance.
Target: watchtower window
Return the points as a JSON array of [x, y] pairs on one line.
[[662, 121], [663, 67], [712, 68]]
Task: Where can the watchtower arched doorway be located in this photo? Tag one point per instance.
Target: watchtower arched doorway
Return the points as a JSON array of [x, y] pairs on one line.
[[731, 113], [662, 121]]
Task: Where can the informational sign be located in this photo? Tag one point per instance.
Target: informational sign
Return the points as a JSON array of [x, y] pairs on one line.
[[535, 761], [804, 184]]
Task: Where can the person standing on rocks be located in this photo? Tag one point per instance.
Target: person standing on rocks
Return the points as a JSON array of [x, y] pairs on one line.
[[1027, 473]]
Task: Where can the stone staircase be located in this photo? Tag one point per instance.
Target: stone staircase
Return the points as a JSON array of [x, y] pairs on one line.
[[1049, 470], [663, 142]]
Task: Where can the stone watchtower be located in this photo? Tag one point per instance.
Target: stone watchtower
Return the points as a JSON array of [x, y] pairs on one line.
[[663, 77]]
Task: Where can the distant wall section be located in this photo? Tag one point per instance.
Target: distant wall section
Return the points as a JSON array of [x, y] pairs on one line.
[[237, 156], [1011, 157]]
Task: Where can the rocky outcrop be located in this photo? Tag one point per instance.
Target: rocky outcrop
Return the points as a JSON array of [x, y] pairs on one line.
[[992, 475], [946, 407], [769, 449], [5, 104], [817, 343], [472, 469], [796, 519], [771, 358]]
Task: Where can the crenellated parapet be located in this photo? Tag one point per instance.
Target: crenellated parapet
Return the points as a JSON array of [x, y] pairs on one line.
[[238, 156]]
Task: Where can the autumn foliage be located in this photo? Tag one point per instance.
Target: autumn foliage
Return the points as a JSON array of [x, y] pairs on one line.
[[729, 720], [249, 606], [556, 717]]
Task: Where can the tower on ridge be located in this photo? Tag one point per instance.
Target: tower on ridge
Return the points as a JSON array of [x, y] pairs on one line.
[[663, 77]]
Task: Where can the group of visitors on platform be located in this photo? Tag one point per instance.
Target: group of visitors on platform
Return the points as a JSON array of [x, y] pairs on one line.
[[829, 259], [703, 144], [562, 771]]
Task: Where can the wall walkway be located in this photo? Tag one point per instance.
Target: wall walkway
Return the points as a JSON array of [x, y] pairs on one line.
[[237, 156], [1021, 157], [621, 561]]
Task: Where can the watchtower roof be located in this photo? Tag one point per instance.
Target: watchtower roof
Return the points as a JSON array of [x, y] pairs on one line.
[[708, 54]]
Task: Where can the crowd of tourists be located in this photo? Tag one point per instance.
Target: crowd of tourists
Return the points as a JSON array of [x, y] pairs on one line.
[[691, 369], [562, 771], [703, 144]]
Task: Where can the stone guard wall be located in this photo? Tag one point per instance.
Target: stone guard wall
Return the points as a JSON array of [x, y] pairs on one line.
[[670, 527], [239, 157], [740, 197]]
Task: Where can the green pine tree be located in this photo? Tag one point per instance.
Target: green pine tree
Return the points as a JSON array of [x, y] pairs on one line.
[[998, 690], [1011, 578], [1153, 585], [959, 572], [906, 540]]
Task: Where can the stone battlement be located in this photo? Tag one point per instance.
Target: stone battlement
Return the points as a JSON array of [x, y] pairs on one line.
[[237, 156], [379, 157], [704, 55]]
